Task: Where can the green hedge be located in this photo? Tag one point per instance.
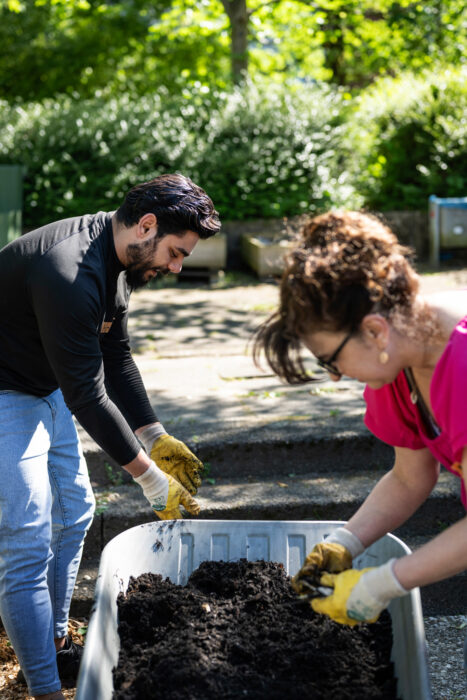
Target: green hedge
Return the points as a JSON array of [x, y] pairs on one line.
[[82, 156], [276, 153], [258, 152], [410, 139]]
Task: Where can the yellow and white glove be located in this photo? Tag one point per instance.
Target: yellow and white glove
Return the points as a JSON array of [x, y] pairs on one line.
[[165, 494], [333, 555], [359, 594], [172, 456]]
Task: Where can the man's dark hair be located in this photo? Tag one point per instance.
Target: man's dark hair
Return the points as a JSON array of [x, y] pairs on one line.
[[176, 201]]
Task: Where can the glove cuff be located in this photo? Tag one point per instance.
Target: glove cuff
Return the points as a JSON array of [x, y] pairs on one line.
[[383, 582], [348, 540], [155, 485], [373, 592], [150, 434]]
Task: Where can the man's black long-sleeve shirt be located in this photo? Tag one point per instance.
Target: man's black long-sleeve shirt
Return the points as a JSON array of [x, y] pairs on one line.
[[63, 323]]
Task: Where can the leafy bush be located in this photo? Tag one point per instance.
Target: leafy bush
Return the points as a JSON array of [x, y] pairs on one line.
[[257, 152], [410, 140], [260, 151], [82, 156], [275, 153]]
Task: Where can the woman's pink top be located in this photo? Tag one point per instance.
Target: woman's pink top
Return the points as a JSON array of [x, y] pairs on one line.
[[394, 419]]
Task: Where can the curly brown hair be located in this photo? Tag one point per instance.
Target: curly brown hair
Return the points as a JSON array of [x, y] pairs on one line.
[[344, 265]]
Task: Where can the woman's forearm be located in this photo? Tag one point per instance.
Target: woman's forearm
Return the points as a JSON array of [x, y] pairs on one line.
[[444, 556], [396, 496]]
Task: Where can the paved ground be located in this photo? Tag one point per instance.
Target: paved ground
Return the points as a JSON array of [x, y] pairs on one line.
[[193, 347], [273, 451]]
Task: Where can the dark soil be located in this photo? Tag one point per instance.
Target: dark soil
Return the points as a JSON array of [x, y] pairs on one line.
[[238, 630]]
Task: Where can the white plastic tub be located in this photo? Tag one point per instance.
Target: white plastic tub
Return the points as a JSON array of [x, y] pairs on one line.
[[176, 548]]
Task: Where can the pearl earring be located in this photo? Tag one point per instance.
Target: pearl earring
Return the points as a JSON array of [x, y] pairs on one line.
[[383, 357]]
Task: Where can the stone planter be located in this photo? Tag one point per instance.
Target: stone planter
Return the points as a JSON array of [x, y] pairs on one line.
[[210, 253], [264, 255]]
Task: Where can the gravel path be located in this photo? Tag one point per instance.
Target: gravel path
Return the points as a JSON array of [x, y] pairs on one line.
[[445, 638]]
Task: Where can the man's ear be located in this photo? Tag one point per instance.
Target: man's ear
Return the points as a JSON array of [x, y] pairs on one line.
[[147, 226], [375, 328]]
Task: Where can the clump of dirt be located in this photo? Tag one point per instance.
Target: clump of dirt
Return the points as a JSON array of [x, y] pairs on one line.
[[238, 630]]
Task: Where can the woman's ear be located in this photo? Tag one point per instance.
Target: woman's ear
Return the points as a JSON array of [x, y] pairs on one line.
[[147, 226], [375, 328]]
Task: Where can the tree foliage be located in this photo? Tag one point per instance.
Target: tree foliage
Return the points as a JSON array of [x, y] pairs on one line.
[[67, 46], [86, 46], [275, 106]]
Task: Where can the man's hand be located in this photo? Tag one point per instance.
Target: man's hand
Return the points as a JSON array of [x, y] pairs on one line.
[[165, 494], [359, 595], [177, 496], [174, 458], [333, 555]]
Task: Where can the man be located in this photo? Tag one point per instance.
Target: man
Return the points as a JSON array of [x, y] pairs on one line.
[[64, 350]]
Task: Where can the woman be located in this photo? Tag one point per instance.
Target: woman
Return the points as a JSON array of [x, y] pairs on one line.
[[350, 295]]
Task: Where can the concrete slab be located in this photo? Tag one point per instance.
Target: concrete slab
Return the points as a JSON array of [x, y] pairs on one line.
[[193, 348]]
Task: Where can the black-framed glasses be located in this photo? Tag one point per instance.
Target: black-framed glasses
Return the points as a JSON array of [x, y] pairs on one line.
[[329, 365]]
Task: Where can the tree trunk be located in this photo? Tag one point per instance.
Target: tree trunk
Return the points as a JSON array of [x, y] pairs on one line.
[[334, 50], [237, 12]]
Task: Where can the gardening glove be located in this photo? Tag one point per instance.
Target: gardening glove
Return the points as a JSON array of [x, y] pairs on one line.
[[359, 595], [165, 494], [172, 456], [333, 555]]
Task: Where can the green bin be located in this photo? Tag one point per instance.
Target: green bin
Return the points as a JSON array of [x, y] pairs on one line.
[[11, 202]]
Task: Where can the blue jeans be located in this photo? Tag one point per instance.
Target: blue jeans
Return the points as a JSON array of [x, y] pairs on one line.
[[46, 508]]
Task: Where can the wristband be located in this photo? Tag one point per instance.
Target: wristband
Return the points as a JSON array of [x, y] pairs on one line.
[[348, 540], [155, 485], [383, 582], [373, 592], [150, 434]]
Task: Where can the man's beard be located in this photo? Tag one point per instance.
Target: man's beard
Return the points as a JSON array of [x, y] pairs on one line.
[[138, 257]]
